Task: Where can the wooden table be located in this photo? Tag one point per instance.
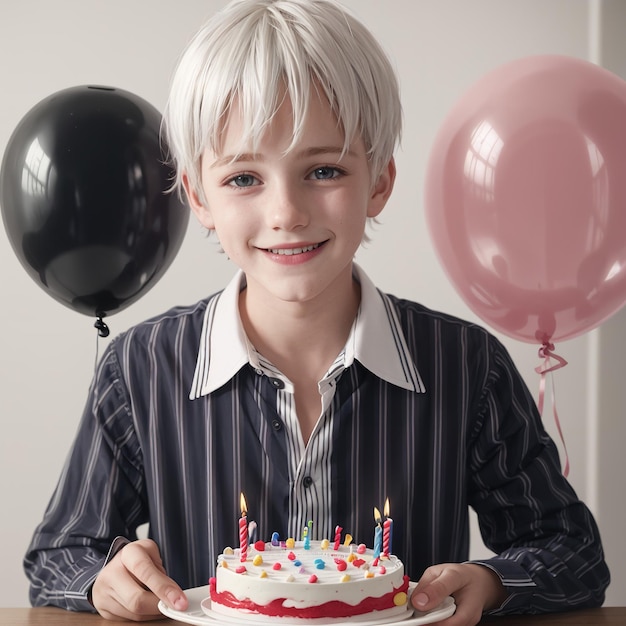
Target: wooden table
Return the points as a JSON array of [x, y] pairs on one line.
[[48, 616]]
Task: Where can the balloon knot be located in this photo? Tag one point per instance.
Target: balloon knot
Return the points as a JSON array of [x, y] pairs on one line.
[[546, 352], [103, 329]]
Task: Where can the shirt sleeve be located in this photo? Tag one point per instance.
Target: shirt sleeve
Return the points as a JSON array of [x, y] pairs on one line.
[[99, 497], [548, 550]]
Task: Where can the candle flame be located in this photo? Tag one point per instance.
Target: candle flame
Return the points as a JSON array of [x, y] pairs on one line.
[[377, 515], [244, 507], [386, 509]]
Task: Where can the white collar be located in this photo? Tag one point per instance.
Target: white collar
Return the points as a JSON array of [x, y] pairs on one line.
[[376, 340]]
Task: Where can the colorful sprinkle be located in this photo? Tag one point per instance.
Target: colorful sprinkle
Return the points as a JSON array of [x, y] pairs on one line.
[[225, 564], [259, 546], [229, 551], [277, 566], [290, 578], [324, 544], [263, 574], [361, 548], [257, 560], [344, 579], [341, 565], [319, 563], [382, 569], [241, 569], [313, 579], [291, 556], [358, 562], [290, 543], [297, 563], [369, 574], [351, 557]]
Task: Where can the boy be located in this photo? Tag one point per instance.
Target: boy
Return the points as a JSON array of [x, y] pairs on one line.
[[301, 385]]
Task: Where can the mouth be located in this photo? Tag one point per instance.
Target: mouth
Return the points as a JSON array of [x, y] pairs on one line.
[[294, 251]]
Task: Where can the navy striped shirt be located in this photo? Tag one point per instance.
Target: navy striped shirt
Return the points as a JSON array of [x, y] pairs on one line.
[[422, 408]]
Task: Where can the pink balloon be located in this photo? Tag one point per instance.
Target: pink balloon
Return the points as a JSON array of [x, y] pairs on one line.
[[525, 197]]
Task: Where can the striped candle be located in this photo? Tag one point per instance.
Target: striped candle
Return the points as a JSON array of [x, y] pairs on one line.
[[243, 530], [387, 530], [338, 530]]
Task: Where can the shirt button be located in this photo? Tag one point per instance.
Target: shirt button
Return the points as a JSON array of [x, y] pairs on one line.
[[277, 425], [277, 383], [307, 481]]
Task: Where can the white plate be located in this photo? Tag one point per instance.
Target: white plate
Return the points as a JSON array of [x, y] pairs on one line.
[[195, 614]]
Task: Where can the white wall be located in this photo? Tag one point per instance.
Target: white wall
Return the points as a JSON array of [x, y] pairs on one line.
[[47, 351], [608, 346]]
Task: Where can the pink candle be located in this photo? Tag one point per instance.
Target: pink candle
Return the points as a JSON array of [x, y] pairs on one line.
[[243, 530], [387, 530], [338, 530]]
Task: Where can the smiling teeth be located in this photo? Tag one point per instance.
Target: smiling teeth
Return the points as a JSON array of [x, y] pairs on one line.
[[290, 251]]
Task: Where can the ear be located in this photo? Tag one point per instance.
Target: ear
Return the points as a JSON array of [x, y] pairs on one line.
[[382, 189], [198, 206]]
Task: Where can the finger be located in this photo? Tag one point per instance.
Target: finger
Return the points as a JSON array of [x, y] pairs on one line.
[[117, 594], [143, 561], [435, 585], [468, 610], [116, 611]]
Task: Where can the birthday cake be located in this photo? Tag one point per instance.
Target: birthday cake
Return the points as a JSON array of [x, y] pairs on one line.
[[312, 581]]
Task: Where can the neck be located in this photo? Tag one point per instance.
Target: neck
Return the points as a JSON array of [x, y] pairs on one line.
[[318, 328]]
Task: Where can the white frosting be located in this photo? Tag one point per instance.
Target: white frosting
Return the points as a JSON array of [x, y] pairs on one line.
[[261, 583]]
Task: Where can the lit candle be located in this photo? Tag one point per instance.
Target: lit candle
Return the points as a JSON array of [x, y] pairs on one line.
[[378, 533], [387, 530], [338, 530], [243, 530]]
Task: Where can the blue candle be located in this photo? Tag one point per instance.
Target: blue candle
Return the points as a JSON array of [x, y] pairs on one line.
[[378, 534], [378, 540]]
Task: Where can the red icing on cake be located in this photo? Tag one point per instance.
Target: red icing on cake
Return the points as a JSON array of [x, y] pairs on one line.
[[331, 609]]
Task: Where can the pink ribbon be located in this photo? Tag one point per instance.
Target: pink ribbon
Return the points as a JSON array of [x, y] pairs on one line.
[[546, 352]]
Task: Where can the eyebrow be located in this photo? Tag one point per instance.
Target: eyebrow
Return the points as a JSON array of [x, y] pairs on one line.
[[307, 152]]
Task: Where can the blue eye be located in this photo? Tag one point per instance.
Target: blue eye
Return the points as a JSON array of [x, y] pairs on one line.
[[325, 173], [243, 180]]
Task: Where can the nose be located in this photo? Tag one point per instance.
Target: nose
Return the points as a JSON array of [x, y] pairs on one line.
[[287, 209]]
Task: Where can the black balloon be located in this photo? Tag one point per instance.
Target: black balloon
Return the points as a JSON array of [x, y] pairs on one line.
[[83, 192]]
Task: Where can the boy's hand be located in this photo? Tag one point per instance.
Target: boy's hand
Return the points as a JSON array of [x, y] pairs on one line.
[[475, 589], [132, 583]]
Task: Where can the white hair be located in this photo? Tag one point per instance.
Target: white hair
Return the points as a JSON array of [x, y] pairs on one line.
[[252, 51]]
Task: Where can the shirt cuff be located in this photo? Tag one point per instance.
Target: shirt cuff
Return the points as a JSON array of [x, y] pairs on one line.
[[516, 581], [78, 592]]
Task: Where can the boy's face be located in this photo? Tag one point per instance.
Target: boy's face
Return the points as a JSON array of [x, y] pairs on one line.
[[292, 222]]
